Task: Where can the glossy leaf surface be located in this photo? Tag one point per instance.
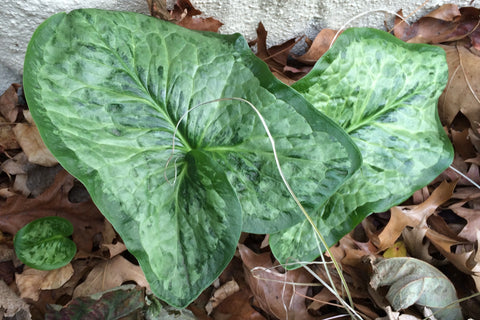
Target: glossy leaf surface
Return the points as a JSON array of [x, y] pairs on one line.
[[44, 243], [384, 93], [107, 89]]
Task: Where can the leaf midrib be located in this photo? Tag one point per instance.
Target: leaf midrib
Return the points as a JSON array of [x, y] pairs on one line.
[[133, 75]]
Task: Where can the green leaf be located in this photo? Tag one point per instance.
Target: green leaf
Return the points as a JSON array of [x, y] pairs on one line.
[[384, 93], [413, 281], [107, 89], [44, 244]]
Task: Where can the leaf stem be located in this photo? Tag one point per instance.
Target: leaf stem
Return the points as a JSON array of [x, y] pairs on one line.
[[319, 236]]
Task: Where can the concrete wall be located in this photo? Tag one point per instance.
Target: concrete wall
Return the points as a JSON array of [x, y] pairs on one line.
[[283, 19]]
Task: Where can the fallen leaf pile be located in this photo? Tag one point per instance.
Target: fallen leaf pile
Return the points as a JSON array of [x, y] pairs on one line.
[[409, 263]]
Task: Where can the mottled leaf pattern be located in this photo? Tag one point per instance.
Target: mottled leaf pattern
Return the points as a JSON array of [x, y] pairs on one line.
[[44, 243], [384, 93], [106, 90]]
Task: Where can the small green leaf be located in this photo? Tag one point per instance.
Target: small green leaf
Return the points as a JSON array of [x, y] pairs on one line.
[[44, 244], [413, 281], [384, 93]]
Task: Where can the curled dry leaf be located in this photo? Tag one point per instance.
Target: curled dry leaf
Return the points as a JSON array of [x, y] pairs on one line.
[[8, 103], [222, 293], [273, 290], [32, 144], [464, 260], [110, 274], [412, 281], [462, 93], [31, 281], [322, 42]]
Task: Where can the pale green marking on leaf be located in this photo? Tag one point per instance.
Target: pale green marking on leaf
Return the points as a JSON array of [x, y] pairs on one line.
[[384, 93], [107, 89], [44, 244]]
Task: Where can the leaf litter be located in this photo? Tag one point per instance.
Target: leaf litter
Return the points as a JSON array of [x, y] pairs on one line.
[[439, 225]]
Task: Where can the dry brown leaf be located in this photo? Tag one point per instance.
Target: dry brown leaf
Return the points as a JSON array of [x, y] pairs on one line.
[[413, 216], [8, 103], [321, 299], [87, 221], [158, 9], [468, 169], [184, 14], [237, 307], [11, 306], [7, 137], [474, 136], [269, 286], [114, 249], [447, 12], [320, 45], [462, 93], [417, 247], [110, 274], [31, 281], [466, 261], [462, 144], [32, 144], [276, 56], [445, 24], [472, 216], [15, 165], [223, 292]]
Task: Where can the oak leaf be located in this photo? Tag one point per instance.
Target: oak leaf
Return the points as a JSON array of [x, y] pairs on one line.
[[413, 216], [472, 216], [463, 260]]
